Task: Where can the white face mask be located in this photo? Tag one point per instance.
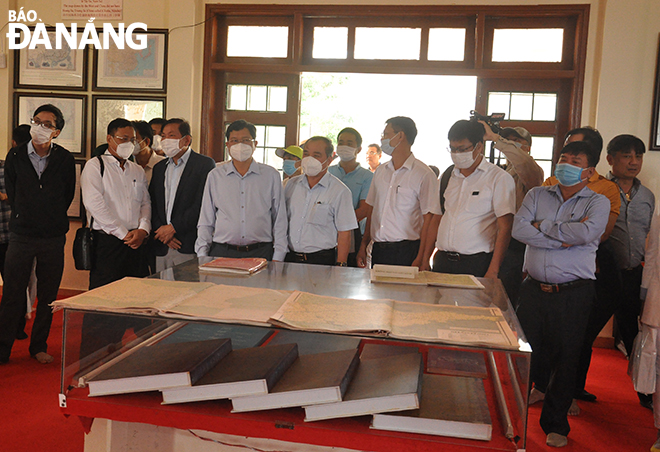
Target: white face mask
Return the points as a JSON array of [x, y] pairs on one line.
[[241, 152], [463, 160], [124, 150], [346, 153], [385, 145], [170, 147], [138, 147], [39, 134], [310, 166], [155, 145]]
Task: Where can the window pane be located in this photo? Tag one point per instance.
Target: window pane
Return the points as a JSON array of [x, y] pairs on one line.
[[257, 97], [261, 135], [387, 43], [330, 42], [521, 106], [542, 147], [277, 97], [528, 44], [446, 44], [275, 136], [236, 97], [546, 166], [545, 107], [270, 158], [259, 155], [259, 42], [499, 103]]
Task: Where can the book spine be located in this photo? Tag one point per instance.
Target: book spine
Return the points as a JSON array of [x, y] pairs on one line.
[[281, 367], [208, 363], [348, 377]]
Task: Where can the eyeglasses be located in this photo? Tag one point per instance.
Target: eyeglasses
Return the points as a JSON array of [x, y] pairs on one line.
[[234, 141], [459, 150], [46, 125], [372, 153], [125, 140]]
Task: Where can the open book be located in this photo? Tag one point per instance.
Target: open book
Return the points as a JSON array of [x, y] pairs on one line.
[[399, 319], [236, 266], [390, 275]]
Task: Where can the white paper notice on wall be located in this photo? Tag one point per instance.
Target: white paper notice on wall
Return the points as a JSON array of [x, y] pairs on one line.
[[98, 9]]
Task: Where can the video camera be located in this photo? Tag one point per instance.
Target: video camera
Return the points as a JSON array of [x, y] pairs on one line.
[[493, 120]]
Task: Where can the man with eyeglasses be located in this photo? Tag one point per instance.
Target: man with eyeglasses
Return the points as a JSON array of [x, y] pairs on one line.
[[114, 192], [40, 179], [374, 154], [473, 233], [176, 193], [243, 212]]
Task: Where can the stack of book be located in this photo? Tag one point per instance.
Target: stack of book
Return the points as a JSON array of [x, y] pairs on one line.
[[234, 266]]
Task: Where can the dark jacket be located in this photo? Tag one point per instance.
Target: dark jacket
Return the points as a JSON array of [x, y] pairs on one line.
[[39, 206], [187, 202]]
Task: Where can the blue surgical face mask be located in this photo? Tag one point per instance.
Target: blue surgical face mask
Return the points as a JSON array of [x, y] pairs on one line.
[[386, 147], [289, 167], [568, 175]]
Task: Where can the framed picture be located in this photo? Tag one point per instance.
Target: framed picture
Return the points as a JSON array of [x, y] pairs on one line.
[[76, 209], [51, 68], [74, 108], [133, 70], [654, 144], [107, 108]]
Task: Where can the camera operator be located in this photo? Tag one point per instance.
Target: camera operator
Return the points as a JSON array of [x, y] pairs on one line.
[[515, 143], [474, 230]]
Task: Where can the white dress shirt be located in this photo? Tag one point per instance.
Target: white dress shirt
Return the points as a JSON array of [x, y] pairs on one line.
[[119, 202], [472, 206], [173, 173], [400, 198], [243, 210], [317, 214], [149, 167]]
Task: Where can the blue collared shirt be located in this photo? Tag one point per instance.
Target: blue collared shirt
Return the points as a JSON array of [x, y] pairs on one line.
[[579, 222], [317, 214], [358, 182], [39, 163], [173, 173], [628, 238], [242, 210]]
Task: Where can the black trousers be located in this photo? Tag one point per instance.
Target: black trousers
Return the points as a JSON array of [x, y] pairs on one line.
[[323, 257], [462, 264], [222, 250], [395, 253], [554, 324], [511, 270], [21, 252], [113, 260]]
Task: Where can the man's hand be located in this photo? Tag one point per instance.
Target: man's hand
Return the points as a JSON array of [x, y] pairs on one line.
[[135, 238], [491, 274], [3, 196], [165, 233], [361, 257], [489, 135], [537, 225], [175, 244]]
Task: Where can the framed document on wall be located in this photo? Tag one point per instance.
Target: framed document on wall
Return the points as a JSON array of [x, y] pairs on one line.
[[74, 109], [76, 210], [133, 70], [107, 108]]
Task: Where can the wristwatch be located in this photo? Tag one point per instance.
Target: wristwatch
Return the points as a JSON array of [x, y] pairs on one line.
[[341, 264]]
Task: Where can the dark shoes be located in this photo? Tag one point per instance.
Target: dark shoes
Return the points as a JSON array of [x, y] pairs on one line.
[[586, 396], [646, 400], [21, 335]]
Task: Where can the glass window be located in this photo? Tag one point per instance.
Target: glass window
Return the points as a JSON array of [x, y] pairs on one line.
[[446, 44], [524, 106], [499, 103], [521, 106], [257, 98], [237, 97], [542, 147], [269, 138], [545, 107], [387, 43], [258, 42], [330, 42], [542, 45], [277, 98]]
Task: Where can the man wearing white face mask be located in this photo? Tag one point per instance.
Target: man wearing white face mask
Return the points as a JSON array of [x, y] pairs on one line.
[[40, 178], [402, 200], [320, 210], [143, 153], [357, 179], [243, 212], [473, 233], [176, 192]]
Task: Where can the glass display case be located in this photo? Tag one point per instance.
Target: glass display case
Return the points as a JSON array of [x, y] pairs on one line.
[[93, 339]]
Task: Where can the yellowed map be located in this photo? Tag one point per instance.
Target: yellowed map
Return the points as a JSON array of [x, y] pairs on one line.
[[427, 278]]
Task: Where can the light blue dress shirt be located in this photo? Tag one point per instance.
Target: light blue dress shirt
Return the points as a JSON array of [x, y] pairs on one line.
[[317, 214], [243, 210], [358, 182], [39, 163], [579, 222], [173, 173]]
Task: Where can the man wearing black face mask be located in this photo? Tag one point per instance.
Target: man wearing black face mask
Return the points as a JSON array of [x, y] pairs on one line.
[[40, 178], [561, 226]]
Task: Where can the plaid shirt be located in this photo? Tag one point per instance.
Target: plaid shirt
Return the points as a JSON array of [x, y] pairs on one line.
[[5, 208]]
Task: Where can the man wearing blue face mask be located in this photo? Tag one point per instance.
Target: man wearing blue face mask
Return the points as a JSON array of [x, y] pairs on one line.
[[357, 179], [561, 226], [243, 212], [291, 157]]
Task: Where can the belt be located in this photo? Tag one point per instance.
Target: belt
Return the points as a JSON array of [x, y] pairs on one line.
[[246, 248], [304, 256], [456, 257], [554, 288], [394, 244]]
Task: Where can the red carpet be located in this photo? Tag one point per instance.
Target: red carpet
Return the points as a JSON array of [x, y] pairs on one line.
[[31, 420]]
